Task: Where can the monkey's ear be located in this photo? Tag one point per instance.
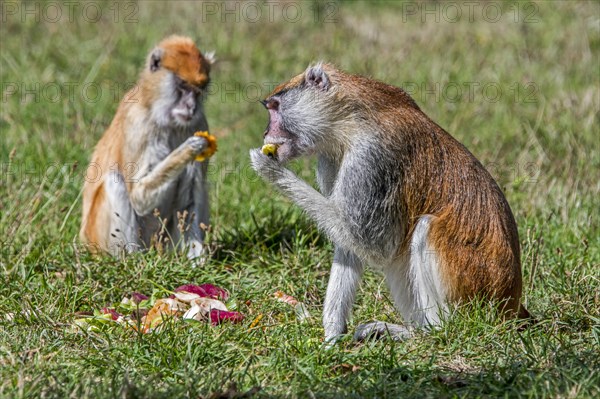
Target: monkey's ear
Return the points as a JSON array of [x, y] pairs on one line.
[[316, 76], [210, 57], [155, 59]]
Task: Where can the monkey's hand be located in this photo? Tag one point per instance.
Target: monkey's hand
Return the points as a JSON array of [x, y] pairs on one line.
[[196, 145], [265, 166], [148, 192], [210, 148]]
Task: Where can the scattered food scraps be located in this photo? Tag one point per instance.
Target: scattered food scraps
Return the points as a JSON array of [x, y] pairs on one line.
[[205, 290], [255, 322], [201, 308], [301, 310], [218, 316], [138, 311], [283, 297], [162, 310], [112, 312]]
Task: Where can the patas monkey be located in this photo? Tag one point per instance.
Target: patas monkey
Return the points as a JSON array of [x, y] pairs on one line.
[[398, 193], [142, 183]]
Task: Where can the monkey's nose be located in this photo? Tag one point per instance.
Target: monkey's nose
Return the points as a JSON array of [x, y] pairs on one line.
[[273, 104], [265, 133]]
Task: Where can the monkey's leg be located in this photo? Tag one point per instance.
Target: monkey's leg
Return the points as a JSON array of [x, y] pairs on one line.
[[123, 230], [397, 281], [192, 199], [417, 287], [200, 213], [152, 189], [426, 282], [346, 273]]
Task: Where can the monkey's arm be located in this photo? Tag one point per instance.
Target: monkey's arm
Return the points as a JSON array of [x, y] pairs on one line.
[[347, 268], [318, 207], [147, 193]]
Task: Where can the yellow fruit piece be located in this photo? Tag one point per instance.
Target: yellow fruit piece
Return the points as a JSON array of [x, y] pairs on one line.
[[162, 310], [255, 321], [210, 150], [269, 149]]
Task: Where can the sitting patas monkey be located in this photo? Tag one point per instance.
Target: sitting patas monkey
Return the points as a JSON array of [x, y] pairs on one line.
[[144, 184], [398, 193]]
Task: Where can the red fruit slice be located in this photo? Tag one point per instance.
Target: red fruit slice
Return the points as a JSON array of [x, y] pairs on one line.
[[219, 316], [113, 313], [205, 290], [136, 297]]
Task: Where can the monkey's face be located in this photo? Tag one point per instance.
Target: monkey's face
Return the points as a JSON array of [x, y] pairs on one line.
[[178, 76], [175, 102], [187, 100], [300, 115], [277, 132]]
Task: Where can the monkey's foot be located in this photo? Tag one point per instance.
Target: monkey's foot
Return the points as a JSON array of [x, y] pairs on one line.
[[119, 248], [196, 253], [331, 342], [379, 329]]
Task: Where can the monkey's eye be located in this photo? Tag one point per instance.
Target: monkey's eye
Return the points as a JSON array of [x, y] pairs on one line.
[[184, 88]]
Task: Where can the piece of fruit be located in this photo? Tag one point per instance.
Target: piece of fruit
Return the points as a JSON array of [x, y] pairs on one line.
[[270, 149], [204, 290], [112, 312], [301, 310], [210, 150], [162, 310], [218, 316], [202, 307]]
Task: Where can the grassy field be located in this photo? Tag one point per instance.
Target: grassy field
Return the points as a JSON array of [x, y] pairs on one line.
[[517, 83]]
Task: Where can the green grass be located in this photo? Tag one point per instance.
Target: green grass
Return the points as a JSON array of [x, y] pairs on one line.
[[540, 139]]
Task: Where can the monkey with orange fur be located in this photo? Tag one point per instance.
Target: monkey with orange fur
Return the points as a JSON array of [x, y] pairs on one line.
[[396, 192], [146, 178]]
